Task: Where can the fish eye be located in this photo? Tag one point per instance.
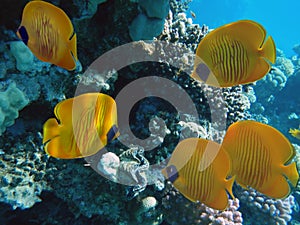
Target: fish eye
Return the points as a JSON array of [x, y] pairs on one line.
[[24, 35], [172, 173], [202, 71]]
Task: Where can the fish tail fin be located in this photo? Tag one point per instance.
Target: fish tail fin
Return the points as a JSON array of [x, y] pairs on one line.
[[291, 173], [268, 54], [228, 185], [50, 130], [269, 50]]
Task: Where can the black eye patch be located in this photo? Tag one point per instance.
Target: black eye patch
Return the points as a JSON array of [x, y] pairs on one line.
[[24, 35], [203, 71], [112, 133], [172, 173]]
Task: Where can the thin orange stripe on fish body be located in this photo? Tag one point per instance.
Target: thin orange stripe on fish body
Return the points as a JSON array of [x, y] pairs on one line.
[[208, 185], [229, 58], [259, 156], [46, 36]]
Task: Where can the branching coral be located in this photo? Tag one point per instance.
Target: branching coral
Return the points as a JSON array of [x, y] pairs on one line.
[[179, 210]]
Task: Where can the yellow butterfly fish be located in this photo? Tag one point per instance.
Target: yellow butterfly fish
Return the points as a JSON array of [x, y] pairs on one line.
[[261, 158], [295, 133], [49, 34], [233, 54], [198, 168], [84, 125]]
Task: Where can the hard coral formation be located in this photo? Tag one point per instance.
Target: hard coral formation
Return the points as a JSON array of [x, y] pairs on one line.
[[85, 191], [129, 168], [11, 101], [150, 22], [22, 172], [264, 210], [180, 29], [155, 8], [179, 210], [37, 80], [144, 28], [146, 212], [23, 56], [74, 182], [88, 9]]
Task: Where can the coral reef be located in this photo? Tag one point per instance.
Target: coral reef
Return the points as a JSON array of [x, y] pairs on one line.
[[72, 190], [129, 168], [11, 101], [150, 22], [175, 208], [146, 212], [145, 28], [23, 56], [155, 9], [264, 210], [22, 171]]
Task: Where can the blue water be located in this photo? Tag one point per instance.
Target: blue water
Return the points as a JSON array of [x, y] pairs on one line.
[[280, 18]]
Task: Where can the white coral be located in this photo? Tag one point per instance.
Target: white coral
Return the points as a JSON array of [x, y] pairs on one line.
[[109, 164]]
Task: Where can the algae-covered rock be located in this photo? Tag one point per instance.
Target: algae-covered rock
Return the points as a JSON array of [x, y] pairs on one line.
[[23, 56], [145, 28]]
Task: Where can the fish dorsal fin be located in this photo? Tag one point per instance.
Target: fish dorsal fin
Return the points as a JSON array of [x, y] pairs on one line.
[[248, 32]]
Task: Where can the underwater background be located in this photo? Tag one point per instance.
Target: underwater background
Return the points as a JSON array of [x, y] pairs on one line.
[[279, 18], [38, 189]]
